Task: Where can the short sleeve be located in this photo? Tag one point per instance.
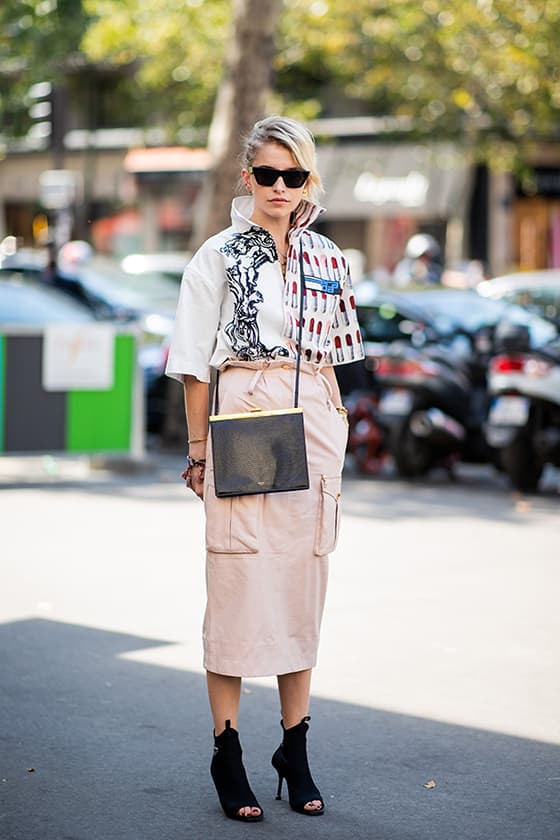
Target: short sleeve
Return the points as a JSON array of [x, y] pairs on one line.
[[346, 339], [198, 316]]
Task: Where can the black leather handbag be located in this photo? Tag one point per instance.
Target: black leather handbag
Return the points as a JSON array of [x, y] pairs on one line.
[[261, 451]]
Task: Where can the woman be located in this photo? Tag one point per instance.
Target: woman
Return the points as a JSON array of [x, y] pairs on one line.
[[267, 555]]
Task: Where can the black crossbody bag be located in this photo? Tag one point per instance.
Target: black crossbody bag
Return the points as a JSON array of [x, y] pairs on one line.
[[261, 451]]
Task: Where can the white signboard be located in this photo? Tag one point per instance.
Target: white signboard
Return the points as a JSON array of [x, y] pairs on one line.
[[78, 357], [408, 191], [59, 188]]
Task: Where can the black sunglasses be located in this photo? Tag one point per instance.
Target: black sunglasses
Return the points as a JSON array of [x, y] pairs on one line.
[[265, 176]]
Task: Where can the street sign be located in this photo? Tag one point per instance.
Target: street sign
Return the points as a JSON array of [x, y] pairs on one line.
[[59, 188]]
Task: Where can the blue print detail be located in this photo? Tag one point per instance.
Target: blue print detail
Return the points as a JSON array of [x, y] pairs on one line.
[[326, 287]]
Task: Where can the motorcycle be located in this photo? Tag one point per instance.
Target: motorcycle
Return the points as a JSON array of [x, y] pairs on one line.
[[434, 403], [366, 437], [524, 418]]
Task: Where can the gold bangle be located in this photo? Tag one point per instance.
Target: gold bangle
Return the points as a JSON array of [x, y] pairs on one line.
[[342, 410], [198, 440]]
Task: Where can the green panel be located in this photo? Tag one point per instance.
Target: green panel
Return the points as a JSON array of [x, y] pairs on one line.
[[101, 421], [2, 388]]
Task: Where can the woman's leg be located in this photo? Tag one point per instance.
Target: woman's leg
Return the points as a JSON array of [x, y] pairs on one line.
[[224, 694], [294, 692], [294, 696]]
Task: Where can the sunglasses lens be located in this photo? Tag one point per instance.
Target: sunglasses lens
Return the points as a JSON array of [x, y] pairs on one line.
[[265, 177], [293, 178]]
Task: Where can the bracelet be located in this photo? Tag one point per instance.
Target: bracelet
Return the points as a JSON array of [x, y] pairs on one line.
[[186, 475], [342, 410], [198, 440]]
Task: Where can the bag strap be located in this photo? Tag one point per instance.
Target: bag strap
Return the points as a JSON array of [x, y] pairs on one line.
[[299, 335]]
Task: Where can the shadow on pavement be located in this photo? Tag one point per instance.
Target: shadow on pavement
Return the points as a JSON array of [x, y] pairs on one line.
[[98, 747]]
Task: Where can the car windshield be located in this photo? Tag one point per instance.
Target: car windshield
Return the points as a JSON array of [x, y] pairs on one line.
[[29, 305], [147, 292], [453, 308]]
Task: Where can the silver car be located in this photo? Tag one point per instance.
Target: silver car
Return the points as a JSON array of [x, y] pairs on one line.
[[536, 291]]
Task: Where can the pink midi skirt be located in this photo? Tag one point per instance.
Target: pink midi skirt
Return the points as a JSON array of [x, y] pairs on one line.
[[267, 555]]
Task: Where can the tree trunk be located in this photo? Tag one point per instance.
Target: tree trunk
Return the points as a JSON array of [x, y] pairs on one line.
[[239, 104]]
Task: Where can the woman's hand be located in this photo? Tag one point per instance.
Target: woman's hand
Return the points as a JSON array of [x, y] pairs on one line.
[[196, 409], [195, 469]]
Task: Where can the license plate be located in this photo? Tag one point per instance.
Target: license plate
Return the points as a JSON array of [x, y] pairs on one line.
[[395, 402], [509, 411]]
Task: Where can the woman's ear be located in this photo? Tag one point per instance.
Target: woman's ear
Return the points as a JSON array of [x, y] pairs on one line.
[[247, 180]]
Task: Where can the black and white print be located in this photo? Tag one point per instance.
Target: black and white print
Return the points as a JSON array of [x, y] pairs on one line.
[[245, 254]]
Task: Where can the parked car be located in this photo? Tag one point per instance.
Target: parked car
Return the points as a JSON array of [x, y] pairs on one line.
[[451, 309], [24, 303], [170, 264], [536, 291]]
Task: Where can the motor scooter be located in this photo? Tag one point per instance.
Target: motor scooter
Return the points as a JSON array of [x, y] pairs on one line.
[[434, 403], [524, 418]]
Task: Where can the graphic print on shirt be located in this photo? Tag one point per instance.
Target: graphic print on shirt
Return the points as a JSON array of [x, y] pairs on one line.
[[245, 255], [330, 329]]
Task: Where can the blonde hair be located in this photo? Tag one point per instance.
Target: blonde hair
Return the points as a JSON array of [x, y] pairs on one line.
[[293, 136]]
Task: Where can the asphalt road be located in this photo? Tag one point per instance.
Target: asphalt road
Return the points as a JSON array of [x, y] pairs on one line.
[[435, 709]]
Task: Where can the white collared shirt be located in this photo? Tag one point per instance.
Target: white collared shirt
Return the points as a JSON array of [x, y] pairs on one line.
[[236, 304]]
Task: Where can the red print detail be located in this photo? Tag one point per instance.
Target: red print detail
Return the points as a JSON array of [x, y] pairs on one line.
[[337, 342], [342, 305], [319, 327], [334, 262], [358, 337], [352, 302], [306, 257], [348, 340]]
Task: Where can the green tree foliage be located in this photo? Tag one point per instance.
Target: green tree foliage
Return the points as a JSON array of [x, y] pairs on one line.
[[476, 69], [178, 46], [485, 69], [37, 38]]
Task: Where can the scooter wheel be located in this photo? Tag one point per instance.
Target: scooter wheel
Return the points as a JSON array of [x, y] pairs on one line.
[[521, 464], [413, 456]]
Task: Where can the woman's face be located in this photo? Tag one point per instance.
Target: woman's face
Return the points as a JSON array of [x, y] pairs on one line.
[[273, 204]]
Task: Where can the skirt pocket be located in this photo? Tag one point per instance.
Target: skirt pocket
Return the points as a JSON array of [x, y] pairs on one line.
[[232, 524], [326, 535]]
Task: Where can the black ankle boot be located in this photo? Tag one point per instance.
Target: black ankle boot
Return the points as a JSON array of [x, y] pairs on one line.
[[290, 762], [230, 777]]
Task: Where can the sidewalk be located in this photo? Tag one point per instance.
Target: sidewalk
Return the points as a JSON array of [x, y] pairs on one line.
[[437, 663]]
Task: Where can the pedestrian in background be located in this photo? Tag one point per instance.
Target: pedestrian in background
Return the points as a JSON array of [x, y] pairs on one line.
[[267, 555]]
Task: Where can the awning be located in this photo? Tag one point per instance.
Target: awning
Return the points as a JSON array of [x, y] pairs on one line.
[[374, 181], [167, 159]]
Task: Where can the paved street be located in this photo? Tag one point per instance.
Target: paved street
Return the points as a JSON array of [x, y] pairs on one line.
[[439, 661]]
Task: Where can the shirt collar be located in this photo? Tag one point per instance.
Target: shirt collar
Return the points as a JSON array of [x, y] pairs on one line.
[[242, 207]]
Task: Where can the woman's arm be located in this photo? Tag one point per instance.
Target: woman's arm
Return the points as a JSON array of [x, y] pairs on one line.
[[196, 410]]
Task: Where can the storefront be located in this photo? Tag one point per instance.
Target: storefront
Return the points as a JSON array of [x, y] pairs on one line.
[[379, 195], [536, 219]]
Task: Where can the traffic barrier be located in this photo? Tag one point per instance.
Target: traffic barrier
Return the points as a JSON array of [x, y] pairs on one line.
[[70, 389]]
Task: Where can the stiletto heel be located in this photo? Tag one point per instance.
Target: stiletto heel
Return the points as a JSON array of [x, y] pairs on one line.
[[230, 778], [280, 780], [290, 762]]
